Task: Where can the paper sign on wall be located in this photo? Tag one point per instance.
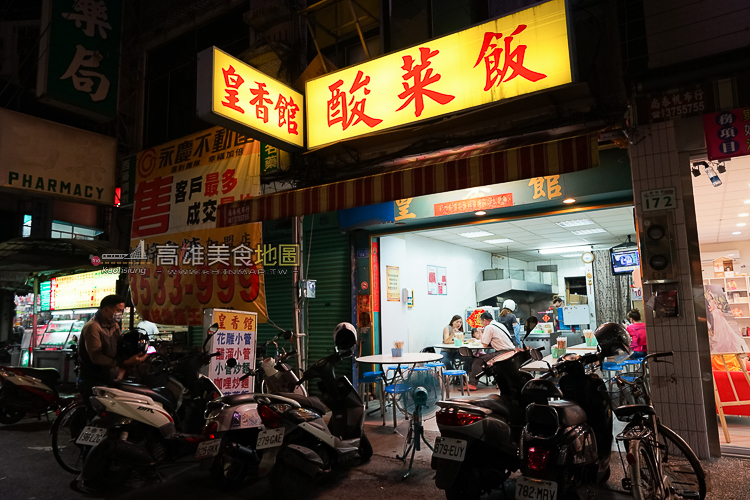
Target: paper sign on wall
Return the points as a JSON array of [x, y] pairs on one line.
[[442, 281], [392, 280]]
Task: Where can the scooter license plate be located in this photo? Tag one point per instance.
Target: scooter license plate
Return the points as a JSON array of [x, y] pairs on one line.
[[535, 489], [450, 449], [208, 449], [270, 438], [91, 436]]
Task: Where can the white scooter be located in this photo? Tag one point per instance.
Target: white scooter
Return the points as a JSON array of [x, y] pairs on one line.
[[138, 428]]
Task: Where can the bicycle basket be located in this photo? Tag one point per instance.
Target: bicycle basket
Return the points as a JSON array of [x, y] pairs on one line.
[[622, 394]]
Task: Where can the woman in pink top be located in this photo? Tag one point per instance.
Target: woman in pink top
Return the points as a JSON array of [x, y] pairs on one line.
[[637, 331]]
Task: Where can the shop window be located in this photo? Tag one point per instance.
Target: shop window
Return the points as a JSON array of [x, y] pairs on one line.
[[72, 231], [26, 226]]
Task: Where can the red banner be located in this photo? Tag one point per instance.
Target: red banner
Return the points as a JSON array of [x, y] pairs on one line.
[[727, 133], [474, 204]]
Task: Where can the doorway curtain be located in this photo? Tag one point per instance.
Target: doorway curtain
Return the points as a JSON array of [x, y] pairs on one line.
[[611, 292]]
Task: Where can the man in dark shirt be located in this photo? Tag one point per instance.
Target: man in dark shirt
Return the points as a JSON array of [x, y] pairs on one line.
[[99, 362]]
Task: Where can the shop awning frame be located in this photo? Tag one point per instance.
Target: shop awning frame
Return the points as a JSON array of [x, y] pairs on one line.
[[474, 168]]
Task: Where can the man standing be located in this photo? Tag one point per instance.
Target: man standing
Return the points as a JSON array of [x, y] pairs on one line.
[[99, 363], [495, 336]]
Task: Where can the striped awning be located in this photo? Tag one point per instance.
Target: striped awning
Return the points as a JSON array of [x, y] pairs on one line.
[[471, 170]]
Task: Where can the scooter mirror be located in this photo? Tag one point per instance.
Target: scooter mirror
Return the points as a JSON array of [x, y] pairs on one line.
[[231, 362], [530, 324], [536, 354], [213, 329], [288, 335]]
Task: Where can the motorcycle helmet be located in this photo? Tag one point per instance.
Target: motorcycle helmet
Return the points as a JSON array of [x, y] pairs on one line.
[[344, 336], [132, 342], [612, 339], [509, 304]]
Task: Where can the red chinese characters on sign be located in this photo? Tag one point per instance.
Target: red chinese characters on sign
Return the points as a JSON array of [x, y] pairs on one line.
[[233, 81], [152, 203], [287, 112], [727, 133], [418, 90], [260, 100], [343, 108], [474, 204], [497, 60]]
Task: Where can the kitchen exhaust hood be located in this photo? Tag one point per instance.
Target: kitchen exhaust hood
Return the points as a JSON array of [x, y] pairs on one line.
[[507, 285]]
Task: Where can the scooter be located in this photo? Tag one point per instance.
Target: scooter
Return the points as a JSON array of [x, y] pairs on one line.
[[26, 390], [138, 428], [311, 448], [234, 419], [477, 449], [567, 441]]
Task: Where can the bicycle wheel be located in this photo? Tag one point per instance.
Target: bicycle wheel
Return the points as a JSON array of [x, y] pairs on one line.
[[643, 474], [65, 430], [681, 465]]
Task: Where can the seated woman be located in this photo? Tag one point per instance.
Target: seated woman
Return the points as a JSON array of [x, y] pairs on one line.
[[455, 326], [637, 331]]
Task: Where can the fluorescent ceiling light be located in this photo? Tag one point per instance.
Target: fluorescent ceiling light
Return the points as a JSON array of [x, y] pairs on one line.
[[743, 215], [577, 222], [545, 251], [747, 202], [499, 240], [741, 224], [737, 232], [476, 234], [568, 255], [581, 232]]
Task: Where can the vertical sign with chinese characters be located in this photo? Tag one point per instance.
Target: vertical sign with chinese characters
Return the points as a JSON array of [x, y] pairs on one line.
[[238, 96], [79, 55], [521, 53], [727, 133], [190, 264], [235, 339]]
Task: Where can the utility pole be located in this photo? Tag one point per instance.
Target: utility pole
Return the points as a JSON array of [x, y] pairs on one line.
[[297, 273]]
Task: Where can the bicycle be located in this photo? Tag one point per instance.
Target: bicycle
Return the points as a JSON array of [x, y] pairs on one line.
[[661, 465], [65, 431]]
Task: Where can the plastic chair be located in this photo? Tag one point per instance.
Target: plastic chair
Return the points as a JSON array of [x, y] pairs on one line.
[[365, 381], [613, 368], [463, 379], [394, 390]]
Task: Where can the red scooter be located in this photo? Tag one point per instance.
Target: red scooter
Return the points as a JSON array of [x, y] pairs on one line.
[[25, 390]]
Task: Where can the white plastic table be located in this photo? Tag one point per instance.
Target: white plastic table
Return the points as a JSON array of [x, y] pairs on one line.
[[453, 347], [408, 358]]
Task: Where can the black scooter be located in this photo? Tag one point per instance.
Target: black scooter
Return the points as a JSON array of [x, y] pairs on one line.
[[567, 440], [477, 449], [311, 448]]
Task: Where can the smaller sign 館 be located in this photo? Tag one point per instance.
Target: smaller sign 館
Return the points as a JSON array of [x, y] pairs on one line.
[[241, 98], [727, 133], [474, 204], [235, 339]]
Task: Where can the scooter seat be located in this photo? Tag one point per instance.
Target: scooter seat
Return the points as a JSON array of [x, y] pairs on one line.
[[44, 374], [305, 402], [493, 402], [237, 399], [570, 413], [160, 395]]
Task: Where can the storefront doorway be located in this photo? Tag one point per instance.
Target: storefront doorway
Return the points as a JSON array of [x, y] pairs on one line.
[[722, 212], [428, 276]]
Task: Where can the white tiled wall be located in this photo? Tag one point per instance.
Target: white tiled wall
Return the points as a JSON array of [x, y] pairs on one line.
[[656, 163]]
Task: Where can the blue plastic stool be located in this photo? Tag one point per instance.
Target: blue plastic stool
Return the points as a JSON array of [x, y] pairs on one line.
[[420, 369], [394, 390], [367, 380], [463, 379]]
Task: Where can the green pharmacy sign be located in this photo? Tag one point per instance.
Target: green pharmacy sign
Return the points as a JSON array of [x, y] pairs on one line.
[[79, 56]]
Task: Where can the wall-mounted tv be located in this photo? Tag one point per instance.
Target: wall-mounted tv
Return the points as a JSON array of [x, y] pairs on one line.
[[625, 259]]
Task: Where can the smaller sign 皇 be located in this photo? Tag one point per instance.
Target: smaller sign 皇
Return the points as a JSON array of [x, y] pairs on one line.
[[727, 133], [659, 199], [236, 95]]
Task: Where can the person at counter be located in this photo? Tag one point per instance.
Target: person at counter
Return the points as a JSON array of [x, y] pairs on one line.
[[456, 325], [497, 337], [509, 320], [97, 350]]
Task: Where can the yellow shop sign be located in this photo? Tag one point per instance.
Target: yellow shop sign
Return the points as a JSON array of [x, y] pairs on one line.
[[521, 53]]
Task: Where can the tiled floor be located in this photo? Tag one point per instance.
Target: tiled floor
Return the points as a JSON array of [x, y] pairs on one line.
[[739, 434]]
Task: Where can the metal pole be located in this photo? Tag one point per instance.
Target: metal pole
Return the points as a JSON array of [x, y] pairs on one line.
[[297, 237], [32, 344]]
